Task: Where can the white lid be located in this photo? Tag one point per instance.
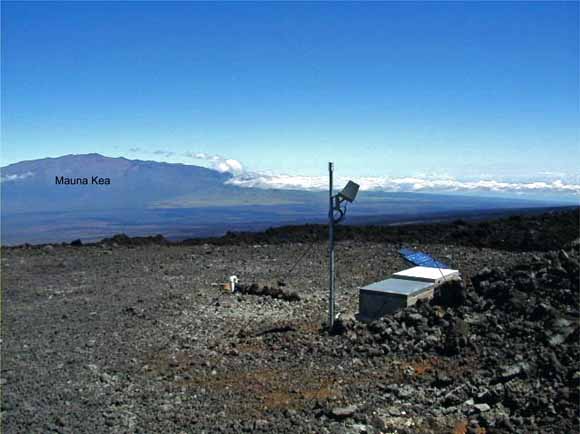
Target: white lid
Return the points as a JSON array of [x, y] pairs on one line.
[[426, 273]]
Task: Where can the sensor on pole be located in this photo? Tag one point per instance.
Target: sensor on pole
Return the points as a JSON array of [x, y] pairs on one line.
[[348, 194]]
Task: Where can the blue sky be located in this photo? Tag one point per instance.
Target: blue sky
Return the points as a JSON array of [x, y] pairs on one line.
[[485, 90]]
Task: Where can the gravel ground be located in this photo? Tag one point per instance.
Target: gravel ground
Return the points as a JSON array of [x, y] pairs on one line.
[[139, 339]]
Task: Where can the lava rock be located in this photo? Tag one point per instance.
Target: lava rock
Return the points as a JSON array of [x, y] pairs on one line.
[[343, 412], [451, 293]]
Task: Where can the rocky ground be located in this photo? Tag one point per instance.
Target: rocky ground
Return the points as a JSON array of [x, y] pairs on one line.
[[138, 335]]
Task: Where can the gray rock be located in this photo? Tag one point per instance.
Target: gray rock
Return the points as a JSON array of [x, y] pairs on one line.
[[261, 424], [343, 412], [511, 371], [405, 392], [482, 408], [359, 428]]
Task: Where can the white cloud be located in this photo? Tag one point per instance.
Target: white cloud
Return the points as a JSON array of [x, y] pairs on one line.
[[16, 177], [217, 162], [214, 161]]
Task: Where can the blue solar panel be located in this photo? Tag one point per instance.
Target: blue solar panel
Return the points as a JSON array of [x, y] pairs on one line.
[[421, 259]]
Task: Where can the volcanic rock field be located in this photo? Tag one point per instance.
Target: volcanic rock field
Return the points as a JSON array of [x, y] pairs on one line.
[[139, 336]]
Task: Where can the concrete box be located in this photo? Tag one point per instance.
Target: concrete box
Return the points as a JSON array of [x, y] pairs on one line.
[[387, 296]]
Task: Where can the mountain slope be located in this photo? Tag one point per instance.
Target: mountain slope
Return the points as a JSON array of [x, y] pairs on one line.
[[30, 186]]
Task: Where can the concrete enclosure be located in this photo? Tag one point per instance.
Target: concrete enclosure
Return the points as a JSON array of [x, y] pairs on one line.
[[403, 289]]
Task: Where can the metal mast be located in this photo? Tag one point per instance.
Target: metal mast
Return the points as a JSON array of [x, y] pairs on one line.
[[347, 194], [330, 248]]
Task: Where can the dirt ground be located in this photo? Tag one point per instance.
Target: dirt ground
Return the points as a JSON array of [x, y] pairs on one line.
[[143, 339]]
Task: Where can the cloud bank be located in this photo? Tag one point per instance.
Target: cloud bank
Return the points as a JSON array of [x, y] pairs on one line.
[[556, 183], [404, 184]]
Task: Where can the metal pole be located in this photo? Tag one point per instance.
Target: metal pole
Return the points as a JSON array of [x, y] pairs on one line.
[[330, 249]]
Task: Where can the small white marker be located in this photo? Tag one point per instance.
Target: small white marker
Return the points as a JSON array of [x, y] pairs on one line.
[[233, 281]]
